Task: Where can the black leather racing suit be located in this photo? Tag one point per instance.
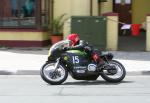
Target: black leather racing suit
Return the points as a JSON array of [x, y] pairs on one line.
[[82, 45], [79, 45], [57, 48]]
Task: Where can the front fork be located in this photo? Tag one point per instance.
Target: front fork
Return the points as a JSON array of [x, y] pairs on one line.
[[57, 64], [111, 70], [106, 63]]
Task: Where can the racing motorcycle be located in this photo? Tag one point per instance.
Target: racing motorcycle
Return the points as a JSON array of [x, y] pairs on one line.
[[80, 66]]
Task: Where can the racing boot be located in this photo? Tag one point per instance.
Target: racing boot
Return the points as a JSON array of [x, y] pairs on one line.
[[100, 64]]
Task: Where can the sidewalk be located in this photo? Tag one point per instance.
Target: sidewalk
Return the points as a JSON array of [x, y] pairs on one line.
[[28, 61]]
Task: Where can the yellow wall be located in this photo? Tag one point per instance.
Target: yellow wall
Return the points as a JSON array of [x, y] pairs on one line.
[[139, 10], [148, 34], [62, 6], [80, 7], [112, 33], [95, 8], [72, 7], [107, 6], [30, 36]]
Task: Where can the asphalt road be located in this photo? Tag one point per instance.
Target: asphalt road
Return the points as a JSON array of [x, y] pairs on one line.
[[32, 89]]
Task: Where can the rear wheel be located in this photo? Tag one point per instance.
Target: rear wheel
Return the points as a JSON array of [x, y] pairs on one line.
[[52, 76], [116, 74]]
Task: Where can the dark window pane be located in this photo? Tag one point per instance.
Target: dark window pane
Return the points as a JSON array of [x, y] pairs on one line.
[[24, 13], [45, 12], [17, 13]]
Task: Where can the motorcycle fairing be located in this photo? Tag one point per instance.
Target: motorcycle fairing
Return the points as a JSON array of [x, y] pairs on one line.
[[78, 58], [78, 62]]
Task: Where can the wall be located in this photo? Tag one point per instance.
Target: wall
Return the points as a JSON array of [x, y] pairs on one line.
[[24, 38], [72, 7], [107, 6], [95, 8], [80, 7], [112, 33], [62, 6], [139, 10], [148, 33]]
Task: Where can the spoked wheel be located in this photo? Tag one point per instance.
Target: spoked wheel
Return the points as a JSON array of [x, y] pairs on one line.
[[115, 73], [53, 76]]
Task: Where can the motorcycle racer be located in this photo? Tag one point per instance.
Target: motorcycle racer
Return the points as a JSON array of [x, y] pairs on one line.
[[77, 44], [68, 56], [73, 42]]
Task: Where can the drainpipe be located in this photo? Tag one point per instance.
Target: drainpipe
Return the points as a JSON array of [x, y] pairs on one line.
[[52, 9], [99, 7], [38, 15], [91, 8]]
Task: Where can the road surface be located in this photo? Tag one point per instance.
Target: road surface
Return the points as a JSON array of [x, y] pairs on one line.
[[32, 89]]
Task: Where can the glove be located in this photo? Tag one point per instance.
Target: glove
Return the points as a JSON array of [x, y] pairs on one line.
[[87, 48], [65, 48]]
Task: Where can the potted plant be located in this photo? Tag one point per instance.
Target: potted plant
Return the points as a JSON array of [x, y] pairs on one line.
[[56, 28]]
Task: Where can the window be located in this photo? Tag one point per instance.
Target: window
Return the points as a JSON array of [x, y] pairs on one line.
[[22, 13], [46, 15], [123, 1]]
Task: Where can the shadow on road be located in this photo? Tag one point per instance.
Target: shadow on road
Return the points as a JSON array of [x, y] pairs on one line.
[[97, 82]]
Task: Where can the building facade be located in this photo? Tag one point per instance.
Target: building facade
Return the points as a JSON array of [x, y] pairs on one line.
[[22, 21]]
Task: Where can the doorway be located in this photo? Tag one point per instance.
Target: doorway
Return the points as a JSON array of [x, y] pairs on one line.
[[126, 41]]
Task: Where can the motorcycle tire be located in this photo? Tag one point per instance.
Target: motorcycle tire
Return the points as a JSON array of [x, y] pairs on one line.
[[53, 82], [115, 80]]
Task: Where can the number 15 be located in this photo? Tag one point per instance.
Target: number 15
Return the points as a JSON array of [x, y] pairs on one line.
[[75, 59]]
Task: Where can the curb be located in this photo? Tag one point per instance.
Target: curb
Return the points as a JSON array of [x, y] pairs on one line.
[[37, 72], [20, 72], [136, 73]]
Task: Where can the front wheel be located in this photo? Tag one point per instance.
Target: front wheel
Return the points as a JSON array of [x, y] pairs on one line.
[[53, 76], [115, 73]]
